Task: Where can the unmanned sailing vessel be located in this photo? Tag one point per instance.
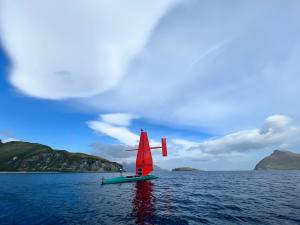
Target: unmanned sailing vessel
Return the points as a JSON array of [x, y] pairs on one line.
[[144, 164]]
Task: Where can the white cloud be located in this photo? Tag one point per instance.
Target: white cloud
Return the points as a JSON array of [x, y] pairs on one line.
[[216, 65], [9, 140], [277, 131], [228, 151], [65, 49], [121, 119], [276, 124], [117, 130], [122, 134], [234, 151], [184, 143]]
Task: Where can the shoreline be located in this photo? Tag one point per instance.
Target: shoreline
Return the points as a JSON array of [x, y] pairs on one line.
[[26, 172], [203, 171]]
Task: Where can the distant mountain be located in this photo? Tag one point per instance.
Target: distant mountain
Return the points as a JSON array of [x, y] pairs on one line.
[[185, 169], [32, 157], [130, 167], [280, 160]]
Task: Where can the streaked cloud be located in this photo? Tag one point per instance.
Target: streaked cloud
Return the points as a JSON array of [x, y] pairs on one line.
[[214, 65], [109, 124], [121, 119], [66, 49], [201, 64]]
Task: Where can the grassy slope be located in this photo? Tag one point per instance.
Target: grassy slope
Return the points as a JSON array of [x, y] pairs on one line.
[[25, 150]]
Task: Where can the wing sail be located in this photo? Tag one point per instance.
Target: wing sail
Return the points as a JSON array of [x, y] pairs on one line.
[[144, 164]]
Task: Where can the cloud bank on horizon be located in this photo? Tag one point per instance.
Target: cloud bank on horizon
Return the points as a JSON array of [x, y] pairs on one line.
[[276, 132], [217, 66]]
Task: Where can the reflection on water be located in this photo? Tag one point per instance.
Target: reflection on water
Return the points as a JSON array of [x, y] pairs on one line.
[[143, 203], [254, 197]]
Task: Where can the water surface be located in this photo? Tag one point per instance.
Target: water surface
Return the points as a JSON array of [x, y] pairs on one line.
[[254, 197]]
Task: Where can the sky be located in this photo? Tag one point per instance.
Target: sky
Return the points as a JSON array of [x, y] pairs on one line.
[[219, 79]]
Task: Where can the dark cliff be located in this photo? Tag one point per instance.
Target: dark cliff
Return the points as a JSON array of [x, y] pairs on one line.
[[280, 160]]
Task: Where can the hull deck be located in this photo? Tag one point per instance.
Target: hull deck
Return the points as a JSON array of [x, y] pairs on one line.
[[126, 179]]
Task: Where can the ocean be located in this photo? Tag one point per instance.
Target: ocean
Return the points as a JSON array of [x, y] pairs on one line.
[[248, 197]]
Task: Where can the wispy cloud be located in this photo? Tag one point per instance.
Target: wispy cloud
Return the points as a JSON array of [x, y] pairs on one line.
[[120, 119], [67, 49], [240, 67], [212, 65], [277, 131], [114, 125]]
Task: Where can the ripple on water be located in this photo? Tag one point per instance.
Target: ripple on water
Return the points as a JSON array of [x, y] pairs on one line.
[[176, 198]]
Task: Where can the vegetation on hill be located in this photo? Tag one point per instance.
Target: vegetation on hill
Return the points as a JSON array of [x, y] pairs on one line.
[[25, 156]]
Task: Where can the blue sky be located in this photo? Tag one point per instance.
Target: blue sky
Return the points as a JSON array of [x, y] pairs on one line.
[[219, 79]]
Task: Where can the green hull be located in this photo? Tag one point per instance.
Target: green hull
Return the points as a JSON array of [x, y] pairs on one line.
[[116, 180]]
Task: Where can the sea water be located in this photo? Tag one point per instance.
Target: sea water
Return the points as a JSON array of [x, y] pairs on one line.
[[253, 197]]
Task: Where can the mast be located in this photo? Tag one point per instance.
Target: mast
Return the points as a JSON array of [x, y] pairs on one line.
[[144, 164]]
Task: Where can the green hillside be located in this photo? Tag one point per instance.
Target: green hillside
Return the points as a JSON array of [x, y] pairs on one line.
[[25, 156]]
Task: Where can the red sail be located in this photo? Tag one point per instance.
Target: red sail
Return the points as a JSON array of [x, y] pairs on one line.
[[164, 146], [144, 164]]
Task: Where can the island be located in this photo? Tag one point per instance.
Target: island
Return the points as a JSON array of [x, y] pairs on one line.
[[185, 169], [18, 156], [280, 160]]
